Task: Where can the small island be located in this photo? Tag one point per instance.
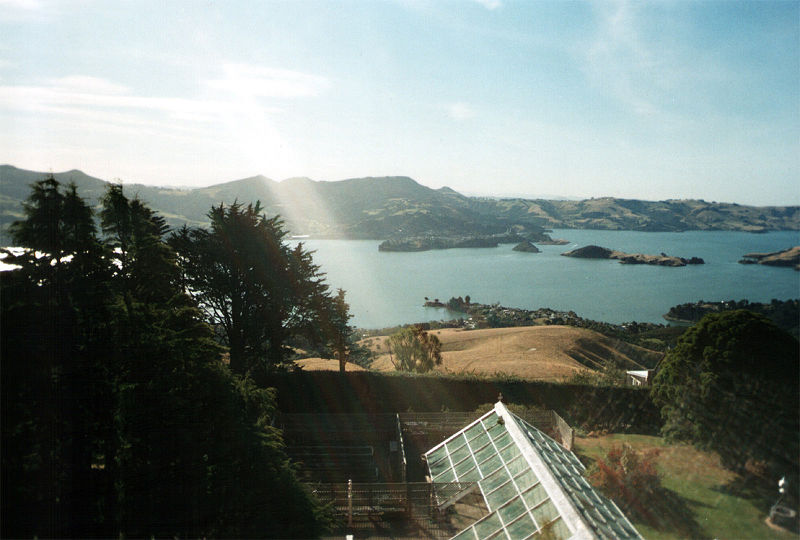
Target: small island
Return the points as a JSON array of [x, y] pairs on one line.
[[788, 257], [597, 252], [553, 242], [526, 246]]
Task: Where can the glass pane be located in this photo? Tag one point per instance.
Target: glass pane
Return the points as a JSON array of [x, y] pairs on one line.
[[494, 480], [501, 495], [495, 429], [491, 465], [479, 442], [558, 529], [487, 526], [510, 452], [517, 466], [525, 480], [474, 431], [512, 510], [502, 441], [464, 466], [455, 444], [535, 495], [439, 466], [521, 528], [459, 454], [470, 476], [499, 535], [545, 512], [485, 452], [466, 534], [437, 455], [490, 420], [446, 476]]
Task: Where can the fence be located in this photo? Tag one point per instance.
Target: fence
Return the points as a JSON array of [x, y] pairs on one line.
[[335, 463], [390, 509], [311, 426]]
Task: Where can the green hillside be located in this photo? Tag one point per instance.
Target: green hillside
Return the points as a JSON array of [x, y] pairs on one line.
[[387, 207]]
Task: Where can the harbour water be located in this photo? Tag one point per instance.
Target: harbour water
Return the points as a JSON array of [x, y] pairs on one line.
[[386, 289]]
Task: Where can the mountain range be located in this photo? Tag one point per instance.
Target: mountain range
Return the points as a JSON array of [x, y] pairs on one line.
[[390, 207]]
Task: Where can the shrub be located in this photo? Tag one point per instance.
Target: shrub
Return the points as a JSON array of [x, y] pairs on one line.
[[630, 479], [607, 377]]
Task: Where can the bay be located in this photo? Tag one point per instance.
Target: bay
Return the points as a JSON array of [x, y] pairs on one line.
[[386, 289]]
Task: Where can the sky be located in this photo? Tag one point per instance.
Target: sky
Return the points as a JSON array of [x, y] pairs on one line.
[[649, 100]]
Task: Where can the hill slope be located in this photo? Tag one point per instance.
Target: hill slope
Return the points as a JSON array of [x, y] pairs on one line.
[[530, 352], [386, 207], [610, 213]]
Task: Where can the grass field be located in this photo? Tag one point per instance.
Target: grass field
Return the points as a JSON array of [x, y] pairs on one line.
[[533, 352], [702, 499]]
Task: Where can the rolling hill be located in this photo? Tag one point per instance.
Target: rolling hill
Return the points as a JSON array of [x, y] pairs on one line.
[[387, 207], [530, 352]]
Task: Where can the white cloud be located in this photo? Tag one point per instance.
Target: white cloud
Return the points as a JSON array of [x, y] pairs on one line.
[[489, 4], [241, 92], [18, 11], [85, 84], [460, 110], [618, 59], [28, 5], [263, 82], [231, 120], [653, 78]]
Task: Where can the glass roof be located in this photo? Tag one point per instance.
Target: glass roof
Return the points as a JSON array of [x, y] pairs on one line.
[[521, 504]]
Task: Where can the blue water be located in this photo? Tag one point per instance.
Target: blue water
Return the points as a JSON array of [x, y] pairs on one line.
[[386, 289]]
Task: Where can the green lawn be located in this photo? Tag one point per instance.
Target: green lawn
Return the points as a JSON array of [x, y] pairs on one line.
[[699, 502]]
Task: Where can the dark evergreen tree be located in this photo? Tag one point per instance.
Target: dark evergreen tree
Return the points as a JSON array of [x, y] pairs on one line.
[[732, 384], [337, 328], [53, 318], [118, 418], [258, 290]]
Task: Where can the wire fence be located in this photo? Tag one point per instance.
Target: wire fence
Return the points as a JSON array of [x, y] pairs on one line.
[[393, 510]]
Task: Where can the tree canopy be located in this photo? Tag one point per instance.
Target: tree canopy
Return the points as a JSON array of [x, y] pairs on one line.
[[261, 292], [414, 349], [118, 416], [732, 384]]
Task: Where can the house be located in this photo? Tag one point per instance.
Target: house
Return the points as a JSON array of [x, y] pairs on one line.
[[530, 485]]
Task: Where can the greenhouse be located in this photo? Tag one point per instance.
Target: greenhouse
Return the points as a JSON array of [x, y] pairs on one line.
[[531, 486]]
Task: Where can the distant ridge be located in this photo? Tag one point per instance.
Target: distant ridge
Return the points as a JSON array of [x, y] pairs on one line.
[[398, 206]]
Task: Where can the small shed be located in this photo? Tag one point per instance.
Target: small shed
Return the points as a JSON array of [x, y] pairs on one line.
[[639, 377]]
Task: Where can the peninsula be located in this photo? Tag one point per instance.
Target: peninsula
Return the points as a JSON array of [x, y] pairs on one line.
[[429, 242], [784, 313], [597, 252], [788, 257]]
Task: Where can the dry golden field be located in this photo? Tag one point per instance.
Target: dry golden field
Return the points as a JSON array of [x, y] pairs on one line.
[[532, 352]]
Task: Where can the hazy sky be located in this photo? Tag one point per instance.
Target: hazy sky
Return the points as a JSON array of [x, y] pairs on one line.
[[649, 100]]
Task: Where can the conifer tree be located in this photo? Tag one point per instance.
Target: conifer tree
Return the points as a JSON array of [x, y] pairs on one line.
[[118, 418], [261, 292]]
